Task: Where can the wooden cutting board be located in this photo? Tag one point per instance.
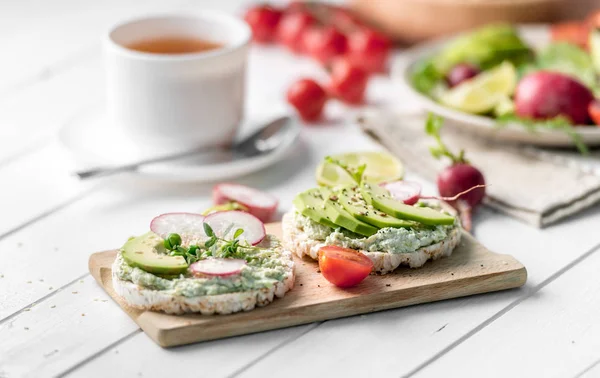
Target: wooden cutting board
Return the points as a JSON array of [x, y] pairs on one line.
[[471, 269]]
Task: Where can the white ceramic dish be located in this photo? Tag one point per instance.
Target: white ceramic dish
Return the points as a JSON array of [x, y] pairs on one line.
[[192, 100], [93, 141], [536, 36]]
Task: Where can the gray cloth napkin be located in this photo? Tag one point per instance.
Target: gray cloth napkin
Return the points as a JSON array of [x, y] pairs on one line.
[[536, 186]]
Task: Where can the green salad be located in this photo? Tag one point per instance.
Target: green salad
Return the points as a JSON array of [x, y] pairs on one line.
[[493, 72]]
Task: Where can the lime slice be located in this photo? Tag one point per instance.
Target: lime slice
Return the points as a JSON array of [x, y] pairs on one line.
[[381, 167], [483, 92]]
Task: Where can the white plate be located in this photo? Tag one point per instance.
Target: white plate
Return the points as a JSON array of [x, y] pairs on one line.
[[537, 36], [94, 142]]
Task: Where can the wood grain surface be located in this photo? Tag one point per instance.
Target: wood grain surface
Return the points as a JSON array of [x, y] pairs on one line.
[[472, 269]]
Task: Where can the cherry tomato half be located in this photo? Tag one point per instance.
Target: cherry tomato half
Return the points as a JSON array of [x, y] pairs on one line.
[[343, 267], [594, 110], [263, 21], [308, 97], [348, 82]]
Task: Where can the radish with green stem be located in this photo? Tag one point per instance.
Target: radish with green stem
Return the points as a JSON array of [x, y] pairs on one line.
[[460, 179]]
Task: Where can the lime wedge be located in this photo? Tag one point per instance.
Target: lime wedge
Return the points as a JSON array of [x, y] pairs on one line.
[[504, 107], [483, 92], [594, 44], [381, 167]]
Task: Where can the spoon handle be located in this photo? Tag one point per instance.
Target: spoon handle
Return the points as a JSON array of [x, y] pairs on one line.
[[111, 170]]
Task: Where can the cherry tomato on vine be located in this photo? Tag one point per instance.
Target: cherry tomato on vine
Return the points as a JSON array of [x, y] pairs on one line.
[[263, 20], [369, 49], [292, 28], [324, 43], [348, 81], [308, 97]]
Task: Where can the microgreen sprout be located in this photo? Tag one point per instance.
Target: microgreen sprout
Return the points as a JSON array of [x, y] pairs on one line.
[[193, 253], [433, 126]]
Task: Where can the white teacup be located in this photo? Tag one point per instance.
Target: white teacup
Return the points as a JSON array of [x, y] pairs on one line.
[[178, 101]]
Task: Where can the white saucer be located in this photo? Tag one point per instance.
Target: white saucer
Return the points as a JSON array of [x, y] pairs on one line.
[[94, 142]]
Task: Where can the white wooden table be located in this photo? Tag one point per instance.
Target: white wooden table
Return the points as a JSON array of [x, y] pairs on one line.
[[55, 320]]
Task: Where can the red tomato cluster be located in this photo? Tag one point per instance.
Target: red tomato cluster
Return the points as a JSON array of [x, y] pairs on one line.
[[348, 48]]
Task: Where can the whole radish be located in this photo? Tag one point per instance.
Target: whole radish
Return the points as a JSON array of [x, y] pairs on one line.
[[543, 95], [461, 179]]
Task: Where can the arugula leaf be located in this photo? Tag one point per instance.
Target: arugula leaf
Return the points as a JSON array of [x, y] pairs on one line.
[[560, 123]]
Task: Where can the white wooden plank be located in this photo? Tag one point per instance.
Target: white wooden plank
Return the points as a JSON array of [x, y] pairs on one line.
[[401, 340], [219, 358], [31, 117], [591, 371], [52, 335], [553, 333], [36, 184]]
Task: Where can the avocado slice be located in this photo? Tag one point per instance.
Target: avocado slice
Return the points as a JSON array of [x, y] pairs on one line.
[[148, 253], [352, 200], [310, 204], [381, 199], [338, 215]]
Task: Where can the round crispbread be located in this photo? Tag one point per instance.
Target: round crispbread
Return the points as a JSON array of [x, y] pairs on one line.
[[297, 241], [172, 303]]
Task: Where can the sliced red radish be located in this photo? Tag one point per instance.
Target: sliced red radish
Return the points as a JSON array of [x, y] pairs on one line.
[[260, 204], [408, 192], [187, 225], [225, 223], [217, 267]]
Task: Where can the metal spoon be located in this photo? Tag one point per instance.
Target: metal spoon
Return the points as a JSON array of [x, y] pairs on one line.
[[262, 141]]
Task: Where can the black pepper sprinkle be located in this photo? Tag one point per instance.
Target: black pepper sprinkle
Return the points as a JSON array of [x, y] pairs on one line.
[[388, 285], [318, 285]]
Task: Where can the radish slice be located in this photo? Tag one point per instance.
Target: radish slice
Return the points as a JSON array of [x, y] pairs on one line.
[[260, 204], [225, 223], [406, 191], [217, 267], [187, 225]]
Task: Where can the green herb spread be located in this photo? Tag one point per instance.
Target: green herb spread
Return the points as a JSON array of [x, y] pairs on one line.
[[390, 240], [264, 267]]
